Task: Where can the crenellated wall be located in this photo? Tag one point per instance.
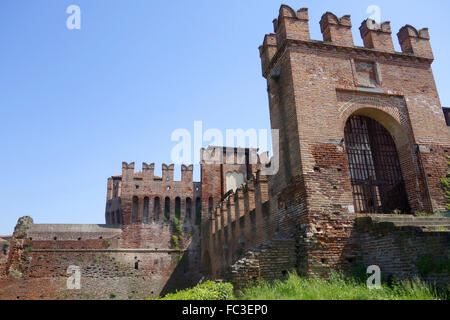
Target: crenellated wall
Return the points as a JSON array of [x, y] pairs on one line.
[[142, 197]]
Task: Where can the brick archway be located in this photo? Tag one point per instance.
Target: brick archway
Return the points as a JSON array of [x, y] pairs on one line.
[[374, 165], [397, 125]]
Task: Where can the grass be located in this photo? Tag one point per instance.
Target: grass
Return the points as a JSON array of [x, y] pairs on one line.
[[337, 288]]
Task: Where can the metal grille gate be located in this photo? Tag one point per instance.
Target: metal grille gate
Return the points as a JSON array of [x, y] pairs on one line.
[[375, 171]]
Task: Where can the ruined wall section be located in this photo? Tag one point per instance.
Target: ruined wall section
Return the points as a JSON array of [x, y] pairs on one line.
[[245, 239], [133, 262], [404, 252]]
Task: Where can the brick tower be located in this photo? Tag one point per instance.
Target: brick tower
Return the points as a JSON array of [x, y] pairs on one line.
[[361, 129]]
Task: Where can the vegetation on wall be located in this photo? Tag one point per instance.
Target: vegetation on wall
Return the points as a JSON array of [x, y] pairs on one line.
[[106, 243], [445, 185], [6, 246], [428, 265], [177, 233]]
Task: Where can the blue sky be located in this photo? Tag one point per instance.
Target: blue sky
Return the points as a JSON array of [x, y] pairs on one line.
[[74, 104]]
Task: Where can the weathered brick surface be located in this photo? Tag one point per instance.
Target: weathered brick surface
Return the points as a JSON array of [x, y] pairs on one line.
[[271, 262], [397, 250], [133, 262], [304, 217]]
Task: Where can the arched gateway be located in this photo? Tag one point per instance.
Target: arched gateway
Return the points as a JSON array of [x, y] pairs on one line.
[[375, 171]]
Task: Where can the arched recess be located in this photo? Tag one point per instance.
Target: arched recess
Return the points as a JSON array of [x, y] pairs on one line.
[[135, 210], [167, 208], [380, 160], [178, 207], [146, 209], [156, 208], [198, 211], [189, 208], [210, 206]]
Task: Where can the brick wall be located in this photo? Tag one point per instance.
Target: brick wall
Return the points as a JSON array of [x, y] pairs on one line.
[[398, 250], [135, 262], [271, 261]]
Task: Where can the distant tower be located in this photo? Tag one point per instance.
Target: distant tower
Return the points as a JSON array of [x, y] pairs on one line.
[[361, 128]]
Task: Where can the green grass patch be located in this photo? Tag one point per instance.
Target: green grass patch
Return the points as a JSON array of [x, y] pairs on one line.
[[294, 287], [337, 288]]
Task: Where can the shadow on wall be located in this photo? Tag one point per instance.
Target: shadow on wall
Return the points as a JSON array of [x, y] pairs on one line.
[[185, 275]]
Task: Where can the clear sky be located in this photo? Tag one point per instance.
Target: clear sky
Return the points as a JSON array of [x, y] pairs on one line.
[[74, 104]]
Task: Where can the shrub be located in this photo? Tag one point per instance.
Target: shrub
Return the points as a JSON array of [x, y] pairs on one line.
[[427, 265], [107, 243], [206, 291]]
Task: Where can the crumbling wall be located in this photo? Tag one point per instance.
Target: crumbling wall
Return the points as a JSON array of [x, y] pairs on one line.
[[271, 261], [404, 252], [136, 262]]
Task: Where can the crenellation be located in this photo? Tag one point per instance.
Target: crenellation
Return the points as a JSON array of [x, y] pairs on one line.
[[168, 172], [416, 42], [268, 50], [377, 35], [187, 173], [148, 171], [127, 171], [337, 30], [291, 25]]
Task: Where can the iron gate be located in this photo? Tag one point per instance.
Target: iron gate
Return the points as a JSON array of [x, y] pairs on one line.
[[375, 171]]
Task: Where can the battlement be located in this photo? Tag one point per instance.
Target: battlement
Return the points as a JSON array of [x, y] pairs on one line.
[[241, 210], [148, 172], [233, 156], [415, 42], [337, 30], [293, 26]]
